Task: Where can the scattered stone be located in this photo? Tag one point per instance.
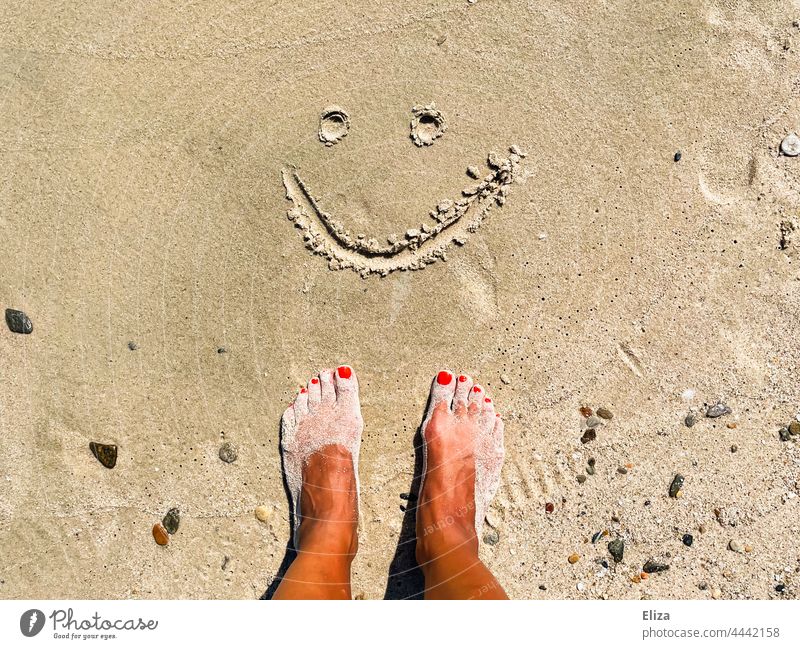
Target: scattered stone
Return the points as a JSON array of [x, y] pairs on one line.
[[702, 585], [678, 156], [542, 587], [227, 453], [654, 566], [225, 560], [132, 346], [717, 410], [748, 548], [780, 588], [716, 593], [735, 546], [590, 469], [505, 378], [594, 422], [549, 508], [586, 411], [636, 579], [160, 534], [688, 539], [221, 350], [18, 322], [794, 428], [622, 470], [690, 420], [574, 558], [106, 454], [790, 145], [616, 549], [473, 172], [676, 485], [580, 586], [171, 520], [263, 513], [581, 479], [702, 529], [605, 413], [492, 537], [589, 435], [734, 448], [784, 434]]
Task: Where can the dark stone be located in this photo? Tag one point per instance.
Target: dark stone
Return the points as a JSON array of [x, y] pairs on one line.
[[586, 411], [227, 453], [589, 435], [171, 520], [581, 479], [688, 539], [784, 434], [675, 487], [622, 470], [717, 410], [542, 587], [592, 461], [690, 420], [596, 537], [616, 549], [794, 428], [549, 508], [492, 537], [654, 566], [780, 588], [132, 346], [221, 350], [18, 322], [678, 156], [106, 454]]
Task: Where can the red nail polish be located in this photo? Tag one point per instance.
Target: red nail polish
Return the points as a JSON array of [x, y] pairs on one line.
[[303, 390], [444, 378], [462, 378], [314, 381], [487, 400], [344, 372], [476, 389], [498, 415]]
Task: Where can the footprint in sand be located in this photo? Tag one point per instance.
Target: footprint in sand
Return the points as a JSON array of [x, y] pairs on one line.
[[451, 222]]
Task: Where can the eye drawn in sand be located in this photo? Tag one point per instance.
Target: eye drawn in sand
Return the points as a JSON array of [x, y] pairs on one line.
[[334, 124], [450, 223]]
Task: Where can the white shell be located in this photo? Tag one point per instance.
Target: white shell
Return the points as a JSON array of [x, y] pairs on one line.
[[790, 146]]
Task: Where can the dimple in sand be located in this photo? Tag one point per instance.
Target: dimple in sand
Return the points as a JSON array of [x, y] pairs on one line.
[[462, 457]]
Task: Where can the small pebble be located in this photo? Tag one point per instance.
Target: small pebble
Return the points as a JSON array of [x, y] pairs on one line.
[[605, 413], [703, 586], [542, 587], [549, 508], [636, 579], [581, 479], [263, 513], [473, 172], [132, 346], [505, 378], [732, 425], [702, 529], [441, 39], [676, 485], [221, 350], [622, 470], [492, 537], [734, 448], [780, 588], [594, 422], [171, 520], [586, 411], [580, 586], [106, 454], [18, 322], [794, 428], [748, 548], [735, 546], [690, 420], [588, 436], [616, 549], [590, 469], [716, 593], [678, 156], [688, 539], [790, 145], [574, 558], [654, 566], [160, 534], [717, 410], [784, 434], [227, 453]]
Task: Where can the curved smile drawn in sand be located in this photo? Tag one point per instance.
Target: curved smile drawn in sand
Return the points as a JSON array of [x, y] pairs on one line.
[[452, 221]]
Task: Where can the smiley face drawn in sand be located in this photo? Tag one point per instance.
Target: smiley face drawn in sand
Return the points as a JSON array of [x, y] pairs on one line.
[[451, 222]]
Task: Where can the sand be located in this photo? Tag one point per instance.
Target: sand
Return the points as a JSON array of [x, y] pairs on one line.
[[142, 201]]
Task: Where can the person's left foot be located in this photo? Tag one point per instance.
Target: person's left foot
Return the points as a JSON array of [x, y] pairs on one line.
[[320, 440]]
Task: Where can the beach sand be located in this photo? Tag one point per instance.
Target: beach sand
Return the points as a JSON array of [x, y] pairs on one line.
[[175, 307]]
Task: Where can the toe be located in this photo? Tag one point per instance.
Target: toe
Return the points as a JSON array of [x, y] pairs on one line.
[[301, 403], [463, 387], [476, 398], [487, 408], [314, 393], [442, 389], [497, 436], [346, 386], [327, 387]]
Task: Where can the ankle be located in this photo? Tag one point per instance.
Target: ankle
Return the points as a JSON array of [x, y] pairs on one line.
[[335, 540]]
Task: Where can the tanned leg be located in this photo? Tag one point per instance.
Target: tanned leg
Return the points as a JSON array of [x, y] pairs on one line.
[[463, 439]]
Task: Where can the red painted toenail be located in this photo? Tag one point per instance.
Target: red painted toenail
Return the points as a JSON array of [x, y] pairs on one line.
[[497, 415], [487, 400], [476, 389], [444, 378], [314, 381], [344, 372], [462, 378], [303, 390]]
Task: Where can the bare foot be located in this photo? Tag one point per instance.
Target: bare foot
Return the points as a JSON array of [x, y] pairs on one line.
[[320, 440], [463, 454]]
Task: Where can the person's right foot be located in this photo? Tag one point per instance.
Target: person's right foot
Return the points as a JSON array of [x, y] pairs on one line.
[[463, 454]]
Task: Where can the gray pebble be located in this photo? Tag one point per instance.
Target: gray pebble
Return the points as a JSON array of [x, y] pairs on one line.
[[690, 420], [616, 549], [227, 453], [784, 434], [492, 537], [735, 546], [132, 346], [717, 410], [654, 566], [676, 485], [594, 422], [171, 520], [18, 322]]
